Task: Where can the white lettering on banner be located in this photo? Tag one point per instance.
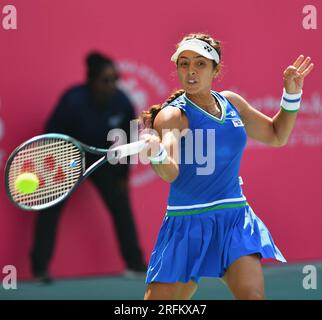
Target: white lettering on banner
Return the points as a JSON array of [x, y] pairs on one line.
[[310, 20], [142, 72], [307, 130], [9, 21]]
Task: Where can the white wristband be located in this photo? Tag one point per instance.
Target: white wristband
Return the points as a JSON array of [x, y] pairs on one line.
[[291, 102], [160, 156]]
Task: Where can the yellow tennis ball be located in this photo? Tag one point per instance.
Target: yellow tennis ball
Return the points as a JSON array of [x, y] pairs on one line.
[[26, 183]]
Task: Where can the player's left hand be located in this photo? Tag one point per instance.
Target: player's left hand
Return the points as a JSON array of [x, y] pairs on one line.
[[294, 74]]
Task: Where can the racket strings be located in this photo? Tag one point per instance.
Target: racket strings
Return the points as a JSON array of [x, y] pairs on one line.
[[57, 164]]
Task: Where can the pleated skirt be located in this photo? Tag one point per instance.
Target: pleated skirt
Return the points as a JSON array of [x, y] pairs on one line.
[[205, 245]]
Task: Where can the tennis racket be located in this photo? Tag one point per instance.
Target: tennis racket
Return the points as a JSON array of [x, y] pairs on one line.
[[59, 162]]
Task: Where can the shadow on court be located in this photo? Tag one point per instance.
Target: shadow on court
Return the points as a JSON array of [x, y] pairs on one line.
[[282, 282]]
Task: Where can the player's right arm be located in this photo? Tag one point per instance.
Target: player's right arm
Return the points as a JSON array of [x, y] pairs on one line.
[[169, 124]]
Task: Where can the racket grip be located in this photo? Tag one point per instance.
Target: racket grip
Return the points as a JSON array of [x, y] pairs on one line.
[[129, 149]]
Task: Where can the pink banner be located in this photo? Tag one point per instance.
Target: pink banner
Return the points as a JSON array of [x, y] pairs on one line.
[[43, 46]]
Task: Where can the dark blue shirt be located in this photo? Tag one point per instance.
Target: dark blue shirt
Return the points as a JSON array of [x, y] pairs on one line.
[[79, 116]]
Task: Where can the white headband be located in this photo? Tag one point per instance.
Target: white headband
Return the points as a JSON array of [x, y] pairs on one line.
[[199, 46]]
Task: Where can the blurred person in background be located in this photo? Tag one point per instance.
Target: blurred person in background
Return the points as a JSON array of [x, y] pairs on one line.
[[87, 112]]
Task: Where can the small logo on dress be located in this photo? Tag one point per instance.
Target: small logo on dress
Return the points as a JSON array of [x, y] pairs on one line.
[[233, 113], [237, 123]]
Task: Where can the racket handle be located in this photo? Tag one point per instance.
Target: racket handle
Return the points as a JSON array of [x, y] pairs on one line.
[[128, 149]]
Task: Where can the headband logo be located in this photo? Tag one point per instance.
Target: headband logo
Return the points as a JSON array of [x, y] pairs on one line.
[[208, 48]]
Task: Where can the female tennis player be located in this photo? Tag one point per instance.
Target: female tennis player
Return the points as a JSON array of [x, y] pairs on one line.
[[209, 229]]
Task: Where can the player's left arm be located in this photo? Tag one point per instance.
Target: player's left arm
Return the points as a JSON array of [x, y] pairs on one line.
[[273, 131]]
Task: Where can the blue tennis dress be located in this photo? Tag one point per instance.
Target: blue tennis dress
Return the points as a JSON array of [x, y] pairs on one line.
[[208, 223]]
